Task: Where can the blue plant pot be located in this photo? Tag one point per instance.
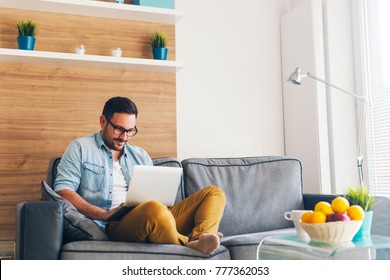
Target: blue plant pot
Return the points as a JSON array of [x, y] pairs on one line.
[[160, 53], [26, 42], [365, 229]]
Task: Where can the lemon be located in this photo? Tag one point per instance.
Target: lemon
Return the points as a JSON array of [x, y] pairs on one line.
[[318, 218], [340, 204], [324, 207], [355, 212], [306, 217]]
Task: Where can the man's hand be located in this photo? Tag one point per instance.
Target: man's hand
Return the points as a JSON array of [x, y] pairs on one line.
[[108, 213], [89, 210]]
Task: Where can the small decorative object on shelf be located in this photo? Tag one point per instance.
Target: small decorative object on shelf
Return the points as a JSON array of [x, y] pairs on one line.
[[80, 49], [169, 4], [117, 52], [158, 42], [27, 31], [119, 1]]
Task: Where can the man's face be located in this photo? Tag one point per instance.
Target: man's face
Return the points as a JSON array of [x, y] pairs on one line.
[[119, 120]]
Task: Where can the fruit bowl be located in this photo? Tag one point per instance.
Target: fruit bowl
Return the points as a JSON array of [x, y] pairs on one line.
[[333, 232]]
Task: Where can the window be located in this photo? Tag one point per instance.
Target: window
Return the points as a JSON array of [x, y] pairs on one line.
[[377, 71]]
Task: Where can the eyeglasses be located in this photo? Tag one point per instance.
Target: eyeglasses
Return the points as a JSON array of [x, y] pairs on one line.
[[120, 130]]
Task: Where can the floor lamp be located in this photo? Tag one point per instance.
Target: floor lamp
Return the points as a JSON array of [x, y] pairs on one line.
[[296, 77]]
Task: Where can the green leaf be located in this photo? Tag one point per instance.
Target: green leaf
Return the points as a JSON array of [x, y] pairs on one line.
[[27, 28], [158, 40], [360, 196]]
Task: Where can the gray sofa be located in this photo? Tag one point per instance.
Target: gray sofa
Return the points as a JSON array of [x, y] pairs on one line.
[[258, 191]]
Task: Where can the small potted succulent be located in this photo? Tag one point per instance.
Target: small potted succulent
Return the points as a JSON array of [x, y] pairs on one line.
[[158, 42], [27, 31]]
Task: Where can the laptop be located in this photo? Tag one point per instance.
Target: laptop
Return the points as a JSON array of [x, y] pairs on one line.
[[159, 183]]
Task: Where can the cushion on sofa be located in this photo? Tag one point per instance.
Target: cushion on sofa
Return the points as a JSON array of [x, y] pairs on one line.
[[258, 190], [76, 225], [95, 250], [245, 246]]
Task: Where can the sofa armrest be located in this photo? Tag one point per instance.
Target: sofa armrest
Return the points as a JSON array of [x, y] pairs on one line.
[[39, 227], [381, 217], [310, 200]]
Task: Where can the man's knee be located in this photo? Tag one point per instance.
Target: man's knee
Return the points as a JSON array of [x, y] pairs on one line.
[[156, 211], [216, 191]]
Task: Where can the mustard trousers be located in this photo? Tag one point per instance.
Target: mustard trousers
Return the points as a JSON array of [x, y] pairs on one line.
[[183, 222]]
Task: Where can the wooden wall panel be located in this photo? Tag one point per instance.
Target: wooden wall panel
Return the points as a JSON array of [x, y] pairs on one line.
[[43, 108]]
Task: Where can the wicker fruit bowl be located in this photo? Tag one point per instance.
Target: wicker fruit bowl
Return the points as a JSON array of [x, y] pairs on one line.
[[332, 232]]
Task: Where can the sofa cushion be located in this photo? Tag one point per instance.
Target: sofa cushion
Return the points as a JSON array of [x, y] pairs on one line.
[[76, 225], [52, 170], [245, 246], [258, 190], [103, 250]]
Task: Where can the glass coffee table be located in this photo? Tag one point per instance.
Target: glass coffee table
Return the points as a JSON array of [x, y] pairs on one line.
[[294, 248]]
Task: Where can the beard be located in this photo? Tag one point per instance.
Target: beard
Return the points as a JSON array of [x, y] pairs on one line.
[[115, 143]]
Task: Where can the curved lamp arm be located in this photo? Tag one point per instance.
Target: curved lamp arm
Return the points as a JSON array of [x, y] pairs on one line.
[[296, 79]]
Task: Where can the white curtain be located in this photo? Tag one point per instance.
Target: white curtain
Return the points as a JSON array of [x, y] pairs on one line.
[[377, 72]]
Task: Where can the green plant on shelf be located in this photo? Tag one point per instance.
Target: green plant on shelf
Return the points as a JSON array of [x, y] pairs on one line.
[[27, 28], [158, 40]]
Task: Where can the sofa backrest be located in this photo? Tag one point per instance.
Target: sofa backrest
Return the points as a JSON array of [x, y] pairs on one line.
[[258, 190]]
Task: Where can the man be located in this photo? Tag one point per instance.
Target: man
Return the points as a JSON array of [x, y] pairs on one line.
[[94, 173]]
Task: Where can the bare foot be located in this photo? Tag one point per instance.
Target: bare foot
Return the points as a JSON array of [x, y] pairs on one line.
[[207, 243], [220, 235]]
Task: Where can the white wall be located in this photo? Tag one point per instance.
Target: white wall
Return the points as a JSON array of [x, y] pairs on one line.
[[229, 95], [338, 68], [305, 106]]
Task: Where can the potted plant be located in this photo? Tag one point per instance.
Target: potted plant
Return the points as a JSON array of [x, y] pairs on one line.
[[27, 31], [158, 42], [361, 196]]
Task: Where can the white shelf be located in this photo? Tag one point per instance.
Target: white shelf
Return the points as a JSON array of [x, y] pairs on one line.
[[91, 61], [97, 9]]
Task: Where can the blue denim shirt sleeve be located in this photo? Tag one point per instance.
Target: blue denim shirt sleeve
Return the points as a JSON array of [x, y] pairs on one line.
[[87, 168], [84, 168]]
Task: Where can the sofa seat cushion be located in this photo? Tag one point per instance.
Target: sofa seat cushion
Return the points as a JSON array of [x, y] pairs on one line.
[[258, 190], [244, 246], [110, 250]]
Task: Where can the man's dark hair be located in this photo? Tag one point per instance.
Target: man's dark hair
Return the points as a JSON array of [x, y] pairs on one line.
[[119, 105]]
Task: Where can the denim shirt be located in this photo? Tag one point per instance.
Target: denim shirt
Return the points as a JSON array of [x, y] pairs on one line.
[[87, 168]]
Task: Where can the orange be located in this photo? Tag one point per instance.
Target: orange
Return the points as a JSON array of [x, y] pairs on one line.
[[324, 207], [306, 217], [355, 212], [340, 205], [318, 218]]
